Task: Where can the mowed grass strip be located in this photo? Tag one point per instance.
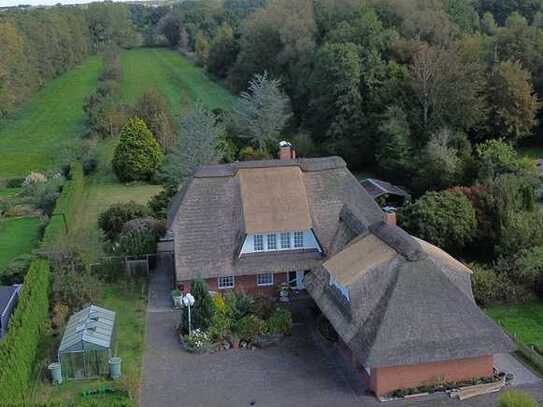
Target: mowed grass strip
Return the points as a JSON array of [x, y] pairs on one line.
[[39, 135], [181, 82], [525, 321], [17, 236]]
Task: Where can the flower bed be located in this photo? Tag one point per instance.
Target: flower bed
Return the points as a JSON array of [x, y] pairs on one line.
[[444, 387], [233, 321]]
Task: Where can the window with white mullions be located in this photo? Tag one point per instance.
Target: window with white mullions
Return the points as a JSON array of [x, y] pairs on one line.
[[298, 240], [258, 243], [285, 240], [272, 241], [225, 282], [264, 279]]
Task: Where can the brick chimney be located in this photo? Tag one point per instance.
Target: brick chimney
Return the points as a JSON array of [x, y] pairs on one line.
[[286, 151], [390, 218]]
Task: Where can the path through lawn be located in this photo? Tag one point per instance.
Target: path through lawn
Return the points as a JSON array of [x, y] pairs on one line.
[[41, 133]]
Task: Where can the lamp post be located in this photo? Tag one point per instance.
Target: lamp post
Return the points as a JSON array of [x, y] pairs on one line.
[[188, 301]]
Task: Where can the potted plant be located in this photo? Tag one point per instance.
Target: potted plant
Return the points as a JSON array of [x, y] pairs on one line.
[[234, 340], [284, 290]]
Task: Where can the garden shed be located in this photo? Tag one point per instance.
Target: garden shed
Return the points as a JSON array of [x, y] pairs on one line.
[[87, 343]]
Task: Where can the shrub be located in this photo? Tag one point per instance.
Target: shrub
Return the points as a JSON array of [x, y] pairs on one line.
[[138, 237], [446, 219], [514, 398], [43, 194], [262, 307], [249, 327], [202, 311], [112, 220], [239, 304], [159, 203], [18, 350], [221, 322], [198, 341], [73, 284], [490, 287], [15, 182], [138, 154], [280, 321]]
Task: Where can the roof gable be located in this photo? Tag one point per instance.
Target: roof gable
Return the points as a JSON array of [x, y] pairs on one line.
[[274, 199]]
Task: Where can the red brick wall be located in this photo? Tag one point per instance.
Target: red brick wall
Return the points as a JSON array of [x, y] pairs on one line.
[[244, 284], [387, 379]]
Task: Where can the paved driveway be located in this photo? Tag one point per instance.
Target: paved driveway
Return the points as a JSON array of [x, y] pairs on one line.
[[300, 371]]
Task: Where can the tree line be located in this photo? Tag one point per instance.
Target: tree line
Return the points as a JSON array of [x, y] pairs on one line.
[[37, 45]]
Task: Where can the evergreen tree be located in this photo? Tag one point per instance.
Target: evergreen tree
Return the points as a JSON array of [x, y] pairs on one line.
[[138, 155]]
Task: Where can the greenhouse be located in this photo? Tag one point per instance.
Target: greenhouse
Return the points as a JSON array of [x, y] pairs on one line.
[[87, 343]]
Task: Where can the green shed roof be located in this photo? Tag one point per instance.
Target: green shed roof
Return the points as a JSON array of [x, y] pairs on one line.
[[89, 329]]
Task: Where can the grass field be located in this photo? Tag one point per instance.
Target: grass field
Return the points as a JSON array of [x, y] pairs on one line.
[[17, 236], [176, 78], [523, 320], [41, 132]]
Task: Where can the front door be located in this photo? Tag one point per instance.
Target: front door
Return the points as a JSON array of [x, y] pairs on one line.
[[296, 279]]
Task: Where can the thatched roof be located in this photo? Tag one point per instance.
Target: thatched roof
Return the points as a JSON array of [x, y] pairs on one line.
[[209, 222], [409, 303], [274, 199]]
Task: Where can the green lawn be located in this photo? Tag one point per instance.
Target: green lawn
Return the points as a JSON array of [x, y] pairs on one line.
[[524, 321], [41, 132], [176, 78], [17, 236], [9, 192]]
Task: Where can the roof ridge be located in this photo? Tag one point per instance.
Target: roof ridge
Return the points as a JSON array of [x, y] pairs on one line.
[[398, 239]]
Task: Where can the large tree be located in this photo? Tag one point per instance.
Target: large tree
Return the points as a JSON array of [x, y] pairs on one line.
[[197, 144], [138, 155], [262, 112], [445, 219], [514, 104]]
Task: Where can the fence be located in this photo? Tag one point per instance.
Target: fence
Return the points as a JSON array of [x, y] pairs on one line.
[[136, 266]]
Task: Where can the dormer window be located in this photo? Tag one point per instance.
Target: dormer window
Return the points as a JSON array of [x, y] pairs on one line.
[[258, 243], [285, 240], [298, 240], [272, 241], [280, 241]]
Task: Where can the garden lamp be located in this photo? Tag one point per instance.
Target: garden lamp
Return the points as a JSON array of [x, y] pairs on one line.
[[188, 301]]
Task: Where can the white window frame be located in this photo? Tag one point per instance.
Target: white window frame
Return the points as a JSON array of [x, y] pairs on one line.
[[225, 282], [271, 237], [260, 239], [283, 238], [264, 284], [298, 240]]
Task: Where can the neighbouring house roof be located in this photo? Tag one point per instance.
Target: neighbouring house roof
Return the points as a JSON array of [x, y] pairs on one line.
[[208, 216], [274, 199], [409, 302], [376, 188], [6, 295], [89, 329]]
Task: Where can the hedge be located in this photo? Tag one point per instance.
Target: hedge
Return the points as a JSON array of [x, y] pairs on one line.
[[18, 349], [66, 204]]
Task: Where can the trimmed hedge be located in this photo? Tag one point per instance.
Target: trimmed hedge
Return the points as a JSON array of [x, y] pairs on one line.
[[67, 202], [18, 349]]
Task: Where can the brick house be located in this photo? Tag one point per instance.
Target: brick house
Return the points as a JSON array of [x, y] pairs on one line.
[[403, 308]]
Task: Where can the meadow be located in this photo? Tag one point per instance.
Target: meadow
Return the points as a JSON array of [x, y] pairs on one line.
[[525, 321], [44, 131]]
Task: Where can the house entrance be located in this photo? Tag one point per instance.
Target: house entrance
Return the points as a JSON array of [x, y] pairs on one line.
[[296, 279]]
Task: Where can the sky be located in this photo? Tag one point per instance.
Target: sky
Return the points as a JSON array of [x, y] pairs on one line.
[[4, 3]]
